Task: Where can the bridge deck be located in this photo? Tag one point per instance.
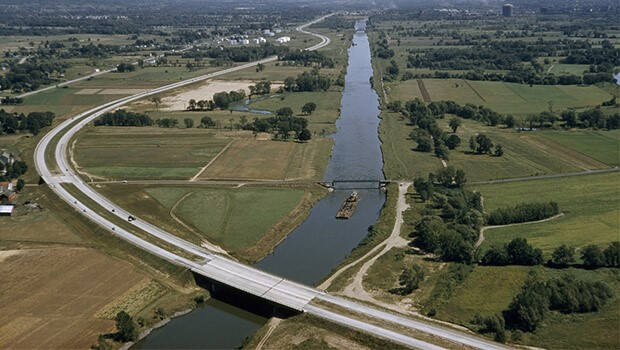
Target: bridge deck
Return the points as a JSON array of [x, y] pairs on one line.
[[256, 282]]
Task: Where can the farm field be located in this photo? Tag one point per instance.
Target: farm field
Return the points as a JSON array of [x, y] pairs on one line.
[[146, 153], [60, 312], [505, 98], [271, 160], [603, 146], [589, 204]]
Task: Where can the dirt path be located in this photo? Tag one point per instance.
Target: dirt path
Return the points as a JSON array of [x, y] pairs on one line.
[[211, 161], [481, 237], [206, 244], [273, 324], [394, 240], [425, 95]]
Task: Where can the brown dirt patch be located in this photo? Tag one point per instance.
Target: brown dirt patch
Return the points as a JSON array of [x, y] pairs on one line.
[[50, 296]]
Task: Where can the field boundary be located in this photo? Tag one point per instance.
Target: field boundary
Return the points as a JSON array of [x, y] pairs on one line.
[[211, 161]]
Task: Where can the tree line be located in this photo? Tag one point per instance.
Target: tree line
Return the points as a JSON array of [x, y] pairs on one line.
[[522, 213], [11, 123], [529, 309], [307, 81]]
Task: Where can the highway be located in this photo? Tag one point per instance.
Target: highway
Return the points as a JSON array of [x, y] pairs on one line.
[[211, 265]]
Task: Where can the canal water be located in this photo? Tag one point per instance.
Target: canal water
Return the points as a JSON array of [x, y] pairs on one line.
[[321, 242]]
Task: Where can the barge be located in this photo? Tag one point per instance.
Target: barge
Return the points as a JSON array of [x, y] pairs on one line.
[[348, 207]]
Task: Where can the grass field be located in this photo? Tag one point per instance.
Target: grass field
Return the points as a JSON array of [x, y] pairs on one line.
[[62, 101], [525, 153], [236, 219], [271, 160], [146, 153], [489, 290], [589, 204], [506, 98], [603, 146], [321, 121]]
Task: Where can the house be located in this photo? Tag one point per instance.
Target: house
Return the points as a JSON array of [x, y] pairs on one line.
[[7, 210], [6, 159], [260, 40], [232, 41], [244, 41], [284, 39], [7, 192]]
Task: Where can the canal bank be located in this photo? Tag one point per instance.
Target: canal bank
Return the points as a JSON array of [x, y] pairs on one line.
[[321, 242]]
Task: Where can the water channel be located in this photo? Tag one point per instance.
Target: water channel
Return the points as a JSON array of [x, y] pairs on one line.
[[321, 242]]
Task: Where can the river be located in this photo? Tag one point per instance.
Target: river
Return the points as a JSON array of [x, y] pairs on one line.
[[321, 242]]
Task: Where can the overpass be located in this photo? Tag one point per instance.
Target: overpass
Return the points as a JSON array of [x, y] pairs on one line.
[[64, 181]]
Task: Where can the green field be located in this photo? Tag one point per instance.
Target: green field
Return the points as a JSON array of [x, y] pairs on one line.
[[62, 101], [146, 153], [233, 218], [589, 203], [488, 290], [603, 146], [321, 121], [506, 98], [525, 153]]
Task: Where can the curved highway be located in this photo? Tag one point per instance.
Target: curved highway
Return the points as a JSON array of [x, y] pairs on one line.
[[276, 289]]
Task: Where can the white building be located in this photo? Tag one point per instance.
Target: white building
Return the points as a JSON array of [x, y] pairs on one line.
[[244, 41], [260, 40], [232, 41], [277, 31], [284, 39]]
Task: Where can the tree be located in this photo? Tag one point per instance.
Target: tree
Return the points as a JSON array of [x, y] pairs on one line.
[[593, 257], [453, 141], [289, 84], [424, 144], [189, 122], [459, 178], [284, 112], [409, 280], [499, 150], [509, 121], [20, 184], [529, 308], [207, 122], [192, 105], [612, 254], [424, 188], [563, 255], [441, 151], [521, 253], [308, 108], [472, 144], [156, 100], [125, 327], [304, 135], [454, 124], [484, 144]]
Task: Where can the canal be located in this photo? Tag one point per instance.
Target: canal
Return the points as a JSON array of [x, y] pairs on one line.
[[321, 242]]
